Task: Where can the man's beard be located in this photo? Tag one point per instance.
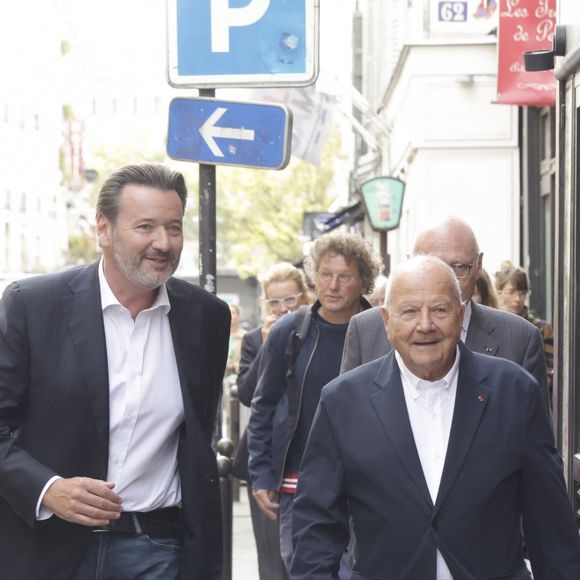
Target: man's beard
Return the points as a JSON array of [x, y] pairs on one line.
[[136, 274]]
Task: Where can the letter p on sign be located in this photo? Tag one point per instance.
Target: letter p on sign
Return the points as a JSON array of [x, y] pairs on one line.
[[223, 18]]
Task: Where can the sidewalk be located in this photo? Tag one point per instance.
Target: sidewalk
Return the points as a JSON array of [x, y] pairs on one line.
[[245, 561]]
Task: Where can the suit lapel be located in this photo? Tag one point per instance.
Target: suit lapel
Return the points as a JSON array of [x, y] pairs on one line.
[[479, 334], [389, 404], [470, 403], [84, 319]]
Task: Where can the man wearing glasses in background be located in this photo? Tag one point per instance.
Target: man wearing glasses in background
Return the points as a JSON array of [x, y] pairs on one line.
[[484, 330], [343, 268]]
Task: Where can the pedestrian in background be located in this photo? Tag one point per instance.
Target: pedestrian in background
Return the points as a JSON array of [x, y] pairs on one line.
[[514, 288], [283, 290], [224, 421], [344, 269], [435, 454], [377, 296], [485, 330], [235, 344], [484, 292], [110, 376]]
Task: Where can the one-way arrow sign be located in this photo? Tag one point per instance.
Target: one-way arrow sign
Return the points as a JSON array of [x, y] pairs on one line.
[[209, 131], [229, 133]]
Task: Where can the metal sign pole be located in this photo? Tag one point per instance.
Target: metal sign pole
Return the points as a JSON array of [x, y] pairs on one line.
[[207, 220]]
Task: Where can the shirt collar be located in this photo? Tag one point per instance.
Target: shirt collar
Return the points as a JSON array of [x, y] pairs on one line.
[[109, 299], [418, 386]]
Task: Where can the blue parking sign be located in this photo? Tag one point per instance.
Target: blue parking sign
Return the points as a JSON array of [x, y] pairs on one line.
[[218, 43]]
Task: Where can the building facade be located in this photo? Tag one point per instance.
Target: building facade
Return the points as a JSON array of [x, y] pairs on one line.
[[33, 228], [567, 255], [432, 80]]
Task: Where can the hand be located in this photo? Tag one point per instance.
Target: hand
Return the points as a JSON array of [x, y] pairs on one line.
[[266, 500], [267, 326], [84, 501]]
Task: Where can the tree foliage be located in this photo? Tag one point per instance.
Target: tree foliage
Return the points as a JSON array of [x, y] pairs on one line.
[[260, 213], [106, 160]]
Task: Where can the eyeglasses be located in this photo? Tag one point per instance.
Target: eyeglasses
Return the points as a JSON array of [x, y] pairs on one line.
[[344, 279], [289, 301], [462, 270]]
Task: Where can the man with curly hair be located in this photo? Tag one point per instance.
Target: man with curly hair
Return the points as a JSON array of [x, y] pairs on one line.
[[343, 268]]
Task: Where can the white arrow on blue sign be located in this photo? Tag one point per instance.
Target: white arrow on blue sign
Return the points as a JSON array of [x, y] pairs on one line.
[[217, 43], [229, 133]]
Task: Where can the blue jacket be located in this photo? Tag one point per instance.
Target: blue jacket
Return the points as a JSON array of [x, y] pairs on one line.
[[275, 408], [502, 470]]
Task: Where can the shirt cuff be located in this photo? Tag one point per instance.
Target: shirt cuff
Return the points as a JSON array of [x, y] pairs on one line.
[[43, 513]]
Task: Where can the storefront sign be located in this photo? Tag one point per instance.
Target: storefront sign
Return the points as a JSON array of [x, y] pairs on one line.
[[525, 25], [383, 197]]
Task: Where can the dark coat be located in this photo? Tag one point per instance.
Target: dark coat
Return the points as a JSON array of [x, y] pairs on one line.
[[275, 407], [54, 416], [501, 468], [247, 381]]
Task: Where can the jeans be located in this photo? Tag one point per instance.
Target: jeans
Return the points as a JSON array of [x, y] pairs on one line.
[[286, 501], [126, 557]]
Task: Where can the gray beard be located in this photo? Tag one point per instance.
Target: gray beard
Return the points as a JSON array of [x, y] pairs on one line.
[[134, 274]]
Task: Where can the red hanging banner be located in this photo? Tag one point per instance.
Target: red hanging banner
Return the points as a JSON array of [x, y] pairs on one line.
[[525, 25]]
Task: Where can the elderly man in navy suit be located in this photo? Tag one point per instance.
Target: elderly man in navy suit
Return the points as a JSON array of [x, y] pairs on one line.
[[485, 330], [110, 376], [436, 453]]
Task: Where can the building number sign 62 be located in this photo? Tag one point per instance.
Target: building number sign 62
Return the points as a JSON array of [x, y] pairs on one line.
[[452, 11]]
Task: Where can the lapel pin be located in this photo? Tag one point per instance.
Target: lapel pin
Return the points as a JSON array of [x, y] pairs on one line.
[[480, 398]]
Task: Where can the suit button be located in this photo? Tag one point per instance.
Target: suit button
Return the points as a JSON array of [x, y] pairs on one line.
[[435, 524]]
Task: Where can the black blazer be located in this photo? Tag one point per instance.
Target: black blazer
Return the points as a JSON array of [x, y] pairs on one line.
[[501, 468], [250, 357], [54, 415]]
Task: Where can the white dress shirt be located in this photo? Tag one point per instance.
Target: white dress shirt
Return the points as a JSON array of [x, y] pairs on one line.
[[430, 406], [145, 403]]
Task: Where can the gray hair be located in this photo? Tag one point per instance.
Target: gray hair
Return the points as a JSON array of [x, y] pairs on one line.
[[156, 176], [420, 262]]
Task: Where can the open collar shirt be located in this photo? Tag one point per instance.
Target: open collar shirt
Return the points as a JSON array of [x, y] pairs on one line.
[[145, 402], [430, 406]]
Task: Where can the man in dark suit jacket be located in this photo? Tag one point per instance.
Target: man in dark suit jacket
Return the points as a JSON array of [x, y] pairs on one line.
[[436, 453], [485, 330], [110, 376]]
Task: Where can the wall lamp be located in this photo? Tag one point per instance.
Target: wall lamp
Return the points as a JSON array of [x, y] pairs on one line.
[[538, 60]]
